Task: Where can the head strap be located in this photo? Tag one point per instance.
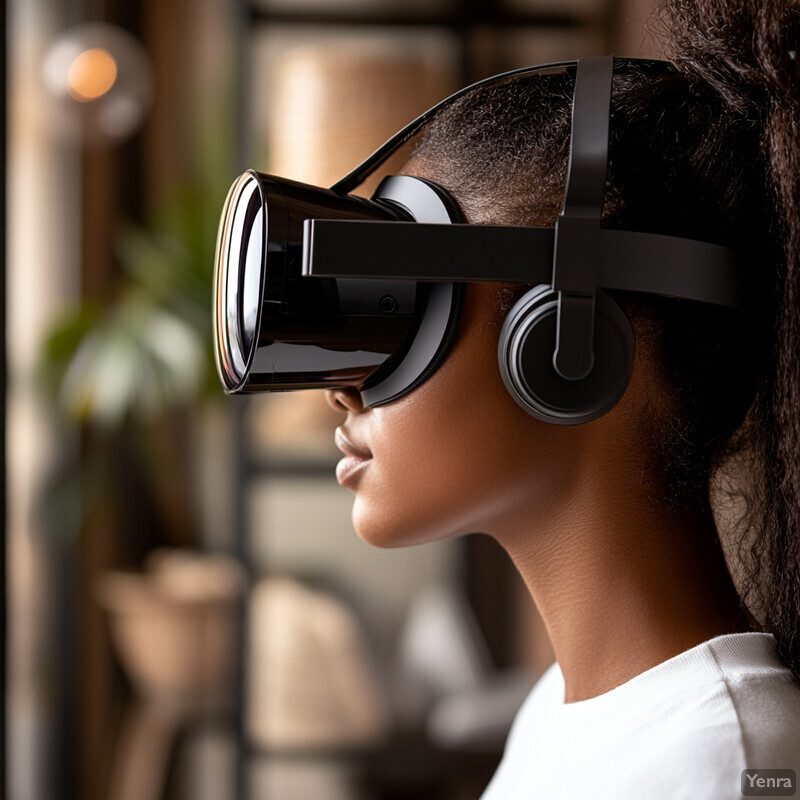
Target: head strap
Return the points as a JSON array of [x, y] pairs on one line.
[[577, 255]]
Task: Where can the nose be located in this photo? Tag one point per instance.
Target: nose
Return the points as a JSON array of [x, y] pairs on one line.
[[346, 399]]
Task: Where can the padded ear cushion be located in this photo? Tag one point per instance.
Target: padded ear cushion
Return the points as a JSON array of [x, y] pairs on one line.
[[525, 355]]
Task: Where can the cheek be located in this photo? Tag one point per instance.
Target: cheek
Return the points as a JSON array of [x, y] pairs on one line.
[[456, 456]]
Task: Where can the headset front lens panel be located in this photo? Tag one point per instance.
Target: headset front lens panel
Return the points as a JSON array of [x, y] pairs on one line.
[[237, 281]]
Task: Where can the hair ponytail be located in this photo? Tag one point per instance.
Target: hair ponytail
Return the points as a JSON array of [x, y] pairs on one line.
[[748, 52]]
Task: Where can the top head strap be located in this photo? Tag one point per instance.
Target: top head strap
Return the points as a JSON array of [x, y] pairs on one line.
[[577, 254]]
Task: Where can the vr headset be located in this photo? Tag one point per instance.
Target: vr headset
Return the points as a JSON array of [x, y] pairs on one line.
[[319, 288]]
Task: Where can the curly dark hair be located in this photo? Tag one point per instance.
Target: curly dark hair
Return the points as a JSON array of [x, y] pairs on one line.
[[709, 148]]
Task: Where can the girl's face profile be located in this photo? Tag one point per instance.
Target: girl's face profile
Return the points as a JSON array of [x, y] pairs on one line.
[[457, 455]]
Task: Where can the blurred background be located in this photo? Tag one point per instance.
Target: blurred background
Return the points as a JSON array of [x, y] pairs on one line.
[[190, 614]]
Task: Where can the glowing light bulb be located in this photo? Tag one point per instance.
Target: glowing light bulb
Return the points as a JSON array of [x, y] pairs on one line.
[[91, 74], [102, 80]]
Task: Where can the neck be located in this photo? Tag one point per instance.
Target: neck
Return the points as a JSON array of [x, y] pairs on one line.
[[622, 588]]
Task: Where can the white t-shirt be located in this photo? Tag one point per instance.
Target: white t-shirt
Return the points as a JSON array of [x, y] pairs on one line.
[[686, 728]]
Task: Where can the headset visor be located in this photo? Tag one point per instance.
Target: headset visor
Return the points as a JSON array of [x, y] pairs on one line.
[[275, 328]]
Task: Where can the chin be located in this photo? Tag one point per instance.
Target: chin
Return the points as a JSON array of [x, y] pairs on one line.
[[382, 528], [379, 530]]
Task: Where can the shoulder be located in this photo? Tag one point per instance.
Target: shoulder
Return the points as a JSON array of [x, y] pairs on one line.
[[734, 699], [763, 696], [685, 729], [702, 747], [767, 709]]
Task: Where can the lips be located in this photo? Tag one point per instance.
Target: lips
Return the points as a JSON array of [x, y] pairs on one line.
[[357, 458], [346, 444]]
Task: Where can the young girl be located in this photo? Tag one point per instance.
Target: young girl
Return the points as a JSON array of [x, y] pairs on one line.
[[664, 686]]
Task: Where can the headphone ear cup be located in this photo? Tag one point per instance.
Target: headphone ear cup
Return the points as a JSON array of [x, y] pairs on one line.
[[525, 356]]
